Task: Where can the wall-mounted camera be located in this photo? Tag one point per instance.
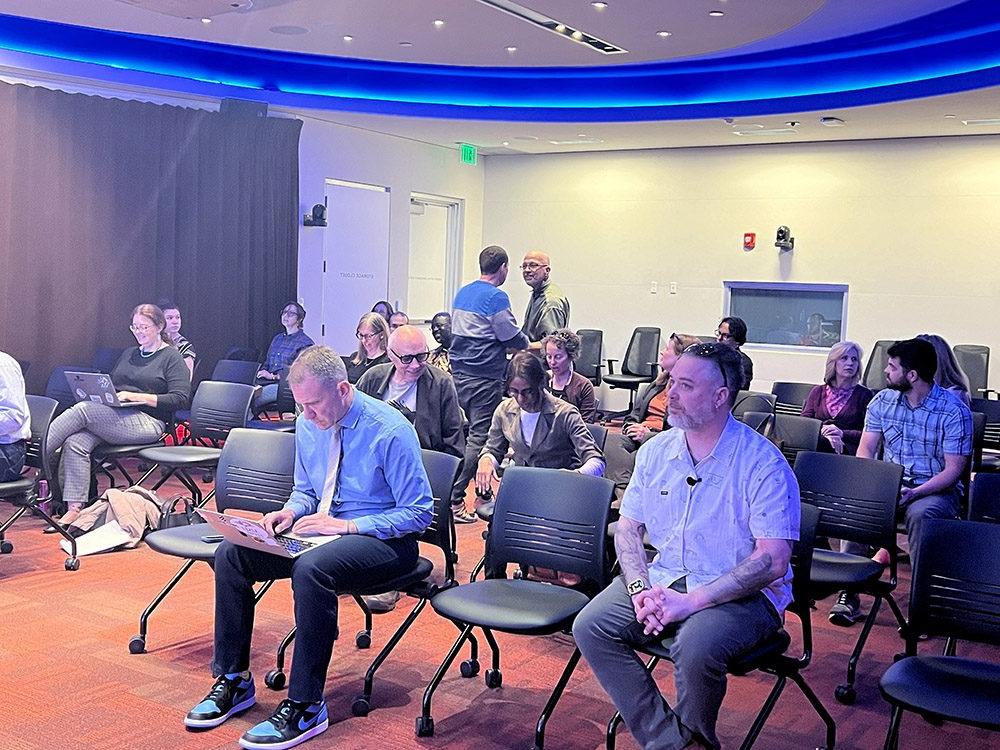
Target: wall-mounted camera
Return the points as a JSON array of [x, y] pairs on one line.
[[315, 218], [783, 240]]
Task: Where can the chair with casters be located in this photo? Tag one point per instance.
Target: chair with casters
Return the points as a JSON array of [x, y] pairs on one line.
[[858, 499], [770, 655], [952, 596], [990, 409], [546, 518], [23, 492], [791, 434], [255, 473], [753, 401], [589, 361], [790, 397], [639, 365], [974, 359], [874, 377], [984, 500], [285, 404]]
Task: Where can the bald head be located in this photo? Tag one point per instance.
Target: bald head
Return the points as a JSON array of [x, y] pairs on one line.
[[405, 342], [535, 268]]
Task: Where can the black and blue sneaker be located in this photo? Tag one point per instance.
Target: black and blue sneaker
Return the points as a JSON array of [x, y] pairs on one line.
[[228, 696], [291, 724]]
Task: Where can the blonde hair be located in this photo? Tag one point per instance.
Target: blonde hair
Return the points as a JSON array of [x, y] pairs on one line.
[[680, 342], [381, 327], [837, 351], [155, 314]]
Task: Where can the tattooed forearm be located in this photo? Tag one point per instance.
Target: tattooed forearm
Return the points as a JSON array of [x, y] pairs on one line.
[[748, 577], [631, 553]]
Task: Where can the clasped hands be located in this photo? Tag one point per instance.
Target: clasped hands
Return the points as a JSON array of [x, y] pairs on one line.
[[315, 524], [660, 606]]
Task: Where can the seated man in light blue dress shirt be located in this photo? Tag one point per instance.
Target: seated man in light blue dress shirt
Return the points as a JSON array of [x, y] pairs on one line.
[[358, 473], [721, 506]]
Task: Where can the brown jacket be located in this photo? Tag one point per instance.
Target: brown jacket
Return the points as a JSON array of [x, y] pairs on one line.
[[134, 509]]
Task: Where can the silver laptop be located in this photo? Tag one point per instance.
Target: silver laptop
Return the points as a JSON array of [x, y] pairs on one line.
[[247, 532], [93, 386]]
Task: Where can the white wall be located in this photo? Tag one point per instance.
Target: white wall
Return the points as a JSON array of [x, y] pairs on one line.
[[911, 225]]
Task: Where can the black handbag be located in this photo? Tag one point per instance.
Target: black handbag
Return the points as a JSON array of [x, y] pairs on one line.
[[172, 516]]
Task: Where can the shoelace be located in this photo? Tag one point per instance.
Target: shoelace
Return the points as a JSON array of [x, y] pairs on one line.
[[221, 687], [282, 714]]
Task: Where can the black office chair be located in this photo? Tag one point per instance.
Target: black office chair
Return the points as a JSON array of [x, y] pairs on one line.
[[105, 358], [599, 433], [246, 353], [953, 595], [285, 404], [984, 500], [874, 377], [990, 459], [753, 401], [589, 362], [546, 518], [235, 371], [57, 387], [639, 366], [791, 434], [255, 473], [975, 363], [770, 655], [858, 499], [790, 397]]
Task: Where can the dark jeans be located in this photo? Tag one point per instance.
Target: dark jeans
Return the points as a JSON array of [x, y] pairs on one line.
[[348, 564], [12, 460], [943, 505], [479, 398]]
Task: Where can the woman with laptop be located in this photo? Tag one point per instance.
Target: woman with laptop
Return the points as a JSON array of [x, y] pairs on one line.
[[151, 381]]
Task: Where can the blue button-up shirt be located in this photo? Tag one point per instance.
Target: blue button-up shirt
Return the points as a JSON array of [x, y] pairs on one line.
[[283, 350], [382, 485]]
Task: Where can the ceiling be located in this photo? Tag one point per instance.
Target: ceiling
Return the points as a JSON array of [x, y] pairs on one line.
[[801, 49]]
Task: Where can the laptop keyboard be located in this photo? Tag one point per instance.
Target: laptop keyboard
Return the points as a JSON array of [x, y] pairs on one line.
[[293, 546]]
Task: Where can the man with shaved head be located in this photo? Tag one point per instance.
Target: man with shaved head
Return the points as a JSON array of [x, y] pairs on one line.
[[548, 308]]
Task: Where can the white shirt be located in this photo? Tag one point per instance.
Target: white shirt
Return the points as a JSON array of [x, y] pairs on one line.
[[529, 420], [404, 393], [15, 421], [742, 491]]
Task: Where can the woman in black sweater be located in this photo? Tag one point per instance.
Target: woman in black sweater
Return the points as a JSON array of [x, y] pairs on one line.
[[152, 382]]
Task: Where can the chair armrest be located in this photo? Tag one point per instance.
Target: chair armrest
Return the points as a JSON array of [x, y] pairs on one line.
[[653, 367], [611, 367]]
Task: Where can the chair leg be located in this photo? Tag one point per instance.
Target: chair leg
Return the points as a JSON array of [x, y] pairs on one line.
[[818, 707], [846, 693], [892, 736], [494, 648], [425, 723], [764, 713], [137, 645], [279, 657], [363, 638], [900, 620], [262, 590], [362, 704], [557, 692], [478, 569]]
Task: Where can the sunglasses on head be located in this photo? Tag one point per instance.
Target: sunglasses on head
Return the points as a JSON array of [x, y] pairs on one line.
[[712, 352]]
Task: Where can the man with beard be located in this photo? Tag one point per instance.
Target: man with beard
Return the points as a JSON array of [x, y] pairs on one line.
[[926, 430], [721, 506]]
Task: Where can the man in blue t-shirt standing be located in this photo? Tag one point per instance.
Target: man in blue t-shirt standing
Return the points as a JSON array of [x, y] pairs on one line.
[[483, 329]]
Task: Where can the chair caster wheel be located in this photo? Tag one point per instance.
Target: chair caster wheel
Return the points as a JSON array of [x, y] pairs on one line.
[[361, 706], [469, 668], [6, 547], [275, 679], [72, 563], [845, 694], [933, 720], [898, 657], [363, 639], [207, 478], [425, 726], [137, 645], [494, 678]]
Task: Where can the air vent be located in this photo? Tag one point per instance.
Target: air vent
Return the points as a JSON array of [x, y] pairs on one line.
[[766, 131], [991, 121], [555, 26]]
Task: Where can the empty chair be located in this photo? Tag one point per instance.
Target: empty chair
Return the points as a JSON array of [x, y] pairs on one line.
[[790, 397], [235, 371], [990, 459], [640, 362], [790, 433], [984, 500], [953, 595], [753, 401], [975, 363], [105, 358], [247, 353], [589, 362], [874, 377]]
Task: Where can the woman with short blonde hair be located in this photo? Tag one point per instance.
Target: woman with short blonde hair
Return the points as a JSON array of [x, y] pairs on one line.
[[841, 401]]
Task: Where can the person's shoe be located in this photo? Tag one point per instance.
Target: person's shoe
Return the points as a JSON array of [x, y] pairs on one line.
[[462, 515], [847, 610], [226, 698], [382, 602], [291, 724]]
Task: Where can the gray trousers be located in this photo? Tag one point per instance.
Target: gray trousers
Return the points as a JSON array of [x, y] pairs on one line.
[[700, 650], [943, 505], [479, 398], [81, 429]]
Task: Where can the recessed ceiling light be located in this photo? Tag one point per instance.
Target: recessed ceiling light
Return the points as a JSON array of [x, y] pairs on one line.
[[512, 49], [438, 23], [560, 27], [406, 44], [577, 35], [716, 13], [506, 143], [792, 123], [348, 38], [766, 131], [664, 34], [582, 135], [832, 122], [599, 5], [950, 117], [206, 20]]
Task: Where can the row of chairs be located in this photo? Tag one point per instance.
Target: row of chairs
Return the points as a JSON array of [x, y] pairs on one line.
[[974, 359]]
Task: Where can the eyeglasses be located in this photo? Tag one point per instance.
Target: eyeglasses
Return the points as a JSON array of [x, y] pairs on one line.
[[532, 266], [365, 336], [407, 358], [290, 312], [140, 329], [712, 352], [723, 336]]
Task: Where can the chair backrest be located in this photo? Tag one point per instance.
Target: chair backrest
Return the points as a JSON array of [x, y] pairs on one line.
[[247, 353], [978, 437], [256, 471], [552, 519], [43, 411], [802, 556], [793, 434], [25, 365], [984, 501], [442, 470], [599, 433], [58, 387], [856, 495], [588, 361], [235, 371], [642, 353], [991, 428], [285, 403], [218, 408], [105, 358], [954, 590], [790, 397], [974, 360], [874, 377], [752, 401]]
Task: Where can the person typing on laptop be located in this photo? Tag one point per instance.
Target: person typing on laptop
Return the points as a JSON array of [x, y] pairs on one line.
[[359, 474]]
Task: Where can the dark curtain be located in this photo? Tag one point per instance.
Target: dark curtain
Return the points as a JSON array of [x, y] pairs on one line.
[[105, 204]]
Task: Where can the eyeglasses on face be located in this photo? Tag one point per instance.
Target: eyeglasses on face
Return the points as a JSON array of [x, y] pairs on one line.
[[290, 311], [532, 266], [141, 329], [407, 358], [723, 336], [365, 336]]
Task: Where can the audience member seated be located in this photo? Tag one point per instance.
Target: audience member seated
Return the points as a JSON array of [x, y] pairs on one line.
[[649, 415], [172, 314], [949, 374], [425, 395], [152, 381], [561, 348], [818, 332], [841, 401], [441, 331], [15, 421], [283, 350], [540, 429], [383, 308], [925, 429], [733, 332], [721, 578], [397, 319], [373, 338]]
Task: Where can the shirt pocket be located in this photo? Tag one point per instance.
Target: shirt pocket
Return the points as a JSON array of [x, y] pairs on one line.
[[663, 512]]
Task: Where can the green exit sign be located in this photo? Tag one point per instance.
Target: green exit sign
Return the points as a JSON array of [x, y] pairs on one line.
[[470, 154]]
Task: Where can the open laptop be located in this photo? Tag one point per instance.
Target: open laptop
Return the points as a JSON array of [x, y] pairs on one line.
[[247, 532], [93, 386]]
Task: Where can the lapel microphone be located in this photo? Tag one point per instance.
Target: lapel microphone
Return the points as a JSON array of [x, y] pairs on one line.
[[692, 481]]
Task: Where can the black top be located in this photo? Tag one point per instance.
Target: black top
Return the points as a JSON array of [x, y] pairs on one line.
[[747, 370], [163, 373], [356, 370]]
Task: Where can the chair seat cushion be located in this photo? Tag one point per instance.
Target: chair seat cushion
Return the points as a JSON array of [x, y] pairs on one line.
[[627, 381], [16, 488], [182, 455], [184, 541], [773, 645], [419, 574], [511, 606], [832, 571], [275, 425], [123, 451], [949, 686]]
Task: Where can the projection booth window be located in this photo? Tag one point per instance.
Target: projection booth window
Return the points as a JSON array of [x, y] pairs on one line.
[[783, 314]]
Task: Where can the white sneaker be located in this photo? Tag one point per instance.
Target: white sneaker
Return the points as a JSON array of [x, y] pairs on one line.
[[382, 602]]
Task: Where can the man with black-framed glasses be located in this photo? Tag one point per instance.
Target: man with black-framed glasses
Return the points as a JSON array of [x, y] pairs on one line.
[[548, 308]]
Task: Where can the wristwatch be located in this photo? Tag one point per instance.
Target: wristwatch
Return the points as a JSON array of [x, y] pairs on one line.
[[634, 587]]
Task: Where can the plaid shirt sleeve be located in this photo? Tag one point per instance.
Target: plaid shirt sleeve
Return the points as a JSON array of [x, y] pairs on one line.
[[958, 431]]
